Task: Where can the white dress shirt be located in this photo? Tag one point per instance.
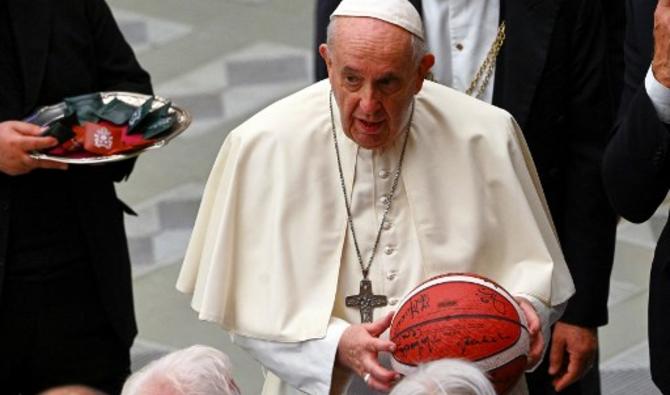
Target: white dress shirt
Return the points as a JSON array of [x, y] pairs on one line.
[[659, 95], [459, 43]]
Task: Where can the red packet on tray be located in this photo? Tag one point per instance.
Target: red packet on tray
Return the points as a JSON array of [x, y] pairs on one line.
[[105, 138], [108, 126]]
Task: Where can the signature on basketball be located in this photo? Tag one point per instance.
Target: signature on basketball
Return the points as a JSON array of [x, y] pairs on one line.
[[470, 341], [422, 340], [487, 295], [453, 341], [415, 307], [421, 344]]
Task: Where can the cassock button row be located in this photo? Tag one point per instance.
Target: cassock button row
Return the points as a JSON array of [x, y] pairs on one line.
[[387, 225], [384, 200], [393, 301], [388, 250], [392, 275], [383, 174]]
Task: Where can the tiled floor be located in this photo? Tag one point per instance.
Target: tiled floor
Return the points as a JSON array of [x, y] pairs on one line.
[[223, 60], [628, 372]]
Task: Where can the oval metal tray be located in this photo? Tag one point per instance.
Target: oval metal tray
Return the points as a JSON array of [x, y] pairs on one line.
[[49, 114]]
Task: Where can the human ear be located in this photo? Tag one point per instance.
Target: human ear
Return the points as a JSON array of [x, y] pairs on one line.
[[425, 65], [325, 55]]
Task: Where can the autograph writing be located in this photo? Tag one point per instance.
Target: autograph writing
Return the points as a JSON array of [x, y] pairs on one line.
[[487, 295], [452, 342], [415, 308]]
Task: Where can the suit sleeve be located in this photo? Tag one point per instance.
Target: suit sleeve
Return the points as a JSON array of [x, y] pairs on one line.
[[588, 223], [117, 69], [636, 167]]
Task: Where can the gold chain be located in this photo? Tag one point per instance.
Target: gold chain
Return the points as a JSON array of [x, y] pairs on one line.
[[486, 69]]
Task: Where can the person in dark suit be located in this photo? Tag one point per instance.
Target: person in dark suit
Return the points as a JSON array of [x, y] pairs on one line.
[[636, 166], [66, 307], [615, 21], [552, 76]]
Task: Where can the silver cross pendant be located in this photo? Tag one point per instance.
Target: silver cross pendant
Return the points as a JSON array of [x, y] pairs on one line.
[[366, 301]]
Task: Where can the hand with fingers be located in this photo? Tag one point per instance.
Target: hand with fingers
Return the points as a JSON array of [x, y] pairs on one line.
[[573, 350], [534, 331], [660, 64], [17, 140], [358, 349]]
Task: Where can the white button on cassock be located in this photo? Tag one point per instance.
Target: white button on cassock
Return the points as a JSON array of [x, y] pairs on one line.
[[388, 250], [387, 225], [383, 173], [392, 275], [384, 200]]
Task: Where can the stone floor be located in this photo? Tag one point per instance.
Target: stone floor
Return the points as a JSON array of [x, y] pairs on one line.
[[223, 60]]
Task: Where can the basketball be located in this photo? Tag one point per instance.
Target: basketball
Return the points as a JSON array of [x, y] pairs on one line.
[[462, 316]]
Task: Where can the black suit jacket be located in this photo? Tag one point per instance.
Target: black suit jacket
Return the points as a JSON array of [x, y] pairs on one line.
[[551, 75], [636, 171], [67, 48]]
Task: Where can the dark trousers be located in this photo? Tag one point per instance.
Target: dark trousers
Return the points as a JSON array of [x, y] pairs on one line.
[[54, 331], [539, 381]]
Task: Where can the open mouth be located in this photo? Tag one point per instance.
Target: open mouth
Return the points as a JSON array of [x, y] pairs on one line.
[[369, 127]]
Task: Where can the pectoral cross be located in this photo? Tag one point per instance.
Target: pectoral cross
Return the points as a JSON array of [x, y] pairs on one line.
[[366, 301]]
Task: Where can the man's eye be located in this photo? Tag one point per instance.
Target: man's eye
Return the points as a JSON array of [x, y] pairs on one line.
[[389, 85], [350, 79], [386, 82]]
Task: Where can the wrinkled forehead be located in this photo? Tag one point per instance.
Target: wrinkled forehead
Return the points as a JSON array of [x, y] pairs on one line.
[[369, 35]]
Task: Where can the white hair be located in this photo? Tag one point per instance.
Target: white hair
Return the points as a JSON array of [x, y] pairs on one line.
[[445, 377], [197, 370], [419, 48]]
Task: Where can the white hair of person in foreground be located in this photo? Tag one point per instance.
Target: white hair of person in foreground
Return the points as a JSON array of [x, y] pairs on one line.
[[445, 377], [197, 370]]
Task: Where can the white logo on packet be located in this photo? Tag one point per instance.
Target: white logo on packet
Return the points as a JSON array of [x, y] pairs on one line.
[[102, 138]]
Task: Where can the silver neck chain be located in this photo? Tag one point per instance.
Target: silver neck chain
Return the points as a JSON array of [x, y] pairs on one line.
[[389, 196]]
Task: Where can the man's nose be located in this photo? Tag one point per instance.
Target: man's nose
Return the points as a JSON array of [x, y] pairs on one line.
[[369, 101]]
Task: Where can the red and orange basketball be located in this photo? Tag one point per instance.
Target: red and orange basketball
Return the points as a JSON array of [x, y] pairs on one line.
[[462, 316]]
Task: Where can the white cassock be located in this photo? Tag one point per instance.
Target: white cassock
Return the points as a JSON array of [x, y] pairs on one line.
[[271, 260]]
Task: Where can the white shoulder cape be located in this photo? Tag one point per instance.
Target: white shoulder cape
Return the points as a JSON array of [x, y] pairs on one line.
[[263, 260]]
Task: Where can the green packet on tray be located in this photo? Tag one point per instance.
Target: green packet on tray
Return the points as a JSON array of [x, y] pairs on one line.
[[91, 127]]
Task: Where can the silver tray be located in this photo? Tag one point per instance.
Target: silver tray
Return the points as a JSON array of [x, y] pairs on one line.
[[47, 115]]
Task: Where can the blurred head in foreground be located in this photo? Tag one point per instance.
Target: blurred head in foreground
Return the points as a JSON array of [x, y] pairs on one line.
[[72, 390], [445, 377], [197, 370]]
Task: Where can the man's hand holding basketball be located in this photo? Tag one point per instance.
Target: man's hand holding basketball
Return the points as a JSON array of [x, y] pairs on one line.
[[534, 330], [358, 349]]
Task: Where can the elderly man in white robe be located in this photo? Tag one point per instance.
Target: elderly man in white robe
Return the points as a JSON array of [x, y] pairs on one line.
[[369, 182]]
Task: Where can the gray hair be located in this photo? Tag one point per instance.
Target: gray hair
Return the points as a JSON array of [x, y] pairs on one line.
[[197, 370], [419, 48], [445, 377]]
